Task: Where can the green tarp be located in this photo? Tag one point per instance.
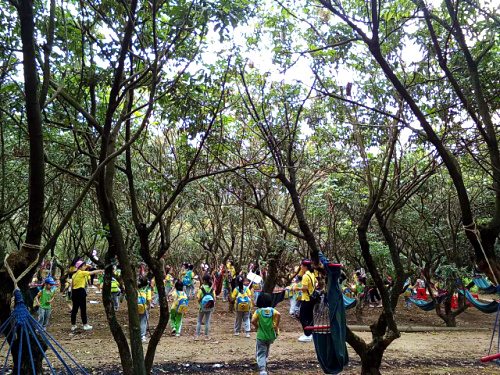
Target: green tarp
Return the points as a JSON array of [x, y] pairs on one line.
[[331, 347]]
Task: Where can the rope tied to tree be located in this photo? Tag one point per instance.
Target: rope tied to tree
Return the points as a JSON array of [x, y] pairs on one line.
[[473, 228], [15, 280], [31, 246]]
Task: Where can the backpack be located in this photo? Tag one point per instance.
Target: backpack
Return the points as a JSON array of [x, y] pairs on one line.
[[115, 286], [207, 302], [315, 296], [182, 303], [242, 300], [266, 330], [141, 302], [188, 277]]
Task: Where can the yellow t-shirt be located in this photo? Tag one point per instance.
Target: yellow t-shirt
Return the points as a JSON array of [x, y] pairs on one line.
[[80, 279], [248, 292], [232, 270], [309, 281]]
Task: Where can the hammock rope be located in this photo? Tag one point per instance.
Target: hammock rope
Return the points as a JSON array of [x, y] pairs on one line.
[[473, 228], [24, 327]]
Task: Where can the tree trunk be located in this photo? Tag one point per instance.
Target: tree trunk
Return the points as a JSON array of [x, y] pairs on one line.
[[359, 310], [371, 361], [36, 184], [272, 274], [114, 326], [26, 367], [158, 270]]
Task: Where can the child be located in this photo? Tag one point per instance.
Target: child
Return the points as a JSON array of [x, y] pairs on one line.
[[100, 281], [115, 291], [298, 297], [67, 293], [267, 321], [44, 299], [156, 299], [293, 299], [242, 305], [257, 287], [179, 307], [144, 303], [206, 297], [188, 281], [169, 281], [407, 295], [225, 285]]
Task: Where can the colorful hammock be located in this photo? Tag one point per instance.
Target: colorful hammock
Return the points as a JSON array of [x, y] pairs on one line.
[[428, 305], [484, 285], [485, 307], [349, 303]]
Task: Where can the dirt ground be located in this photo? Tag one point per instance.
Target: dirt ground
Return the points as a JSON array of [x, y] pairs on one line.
[[414, 353]]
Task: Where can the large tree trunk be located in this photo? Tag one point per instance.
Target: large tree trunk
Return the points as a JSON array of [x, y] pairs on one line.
[[272, 274], [371, 354], [27, 255], [114, 325], [158, 270]]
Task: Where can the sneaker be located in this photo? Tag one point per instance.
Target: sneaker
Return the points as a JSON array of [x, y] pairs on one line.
[[305, 338], [197, 338], [74, 328], [206, 338], [177, 334], [263, 372], [236, 333], [87, 327], [97, 292], [247, 335], [173, 331]]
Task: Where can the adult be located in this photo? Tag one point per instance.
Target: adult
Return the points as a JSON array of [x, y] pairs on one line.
[[307, 307], [79, 294]]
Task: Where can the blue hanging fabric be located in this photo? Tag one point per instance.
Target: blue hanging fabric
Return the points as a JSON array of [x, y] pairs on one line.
[[428, 305], [22, 326], [349, 303], [484, 285], [485, 307]]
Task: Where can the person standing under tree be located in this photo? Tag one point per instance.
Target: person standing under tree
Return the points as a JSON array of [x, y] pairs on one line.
[[242, 305], [306, 306], [44, 300], [79, 294], [206, 297], [267, 321]]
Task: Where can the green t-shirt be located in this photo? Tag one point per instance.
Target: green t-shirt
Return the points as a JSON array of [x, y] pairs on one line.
[[267, 319], [45, 298]]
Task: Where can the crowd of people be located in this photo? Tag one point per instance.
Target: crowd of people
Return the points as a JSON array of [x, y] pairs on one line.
[[210, 287]]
